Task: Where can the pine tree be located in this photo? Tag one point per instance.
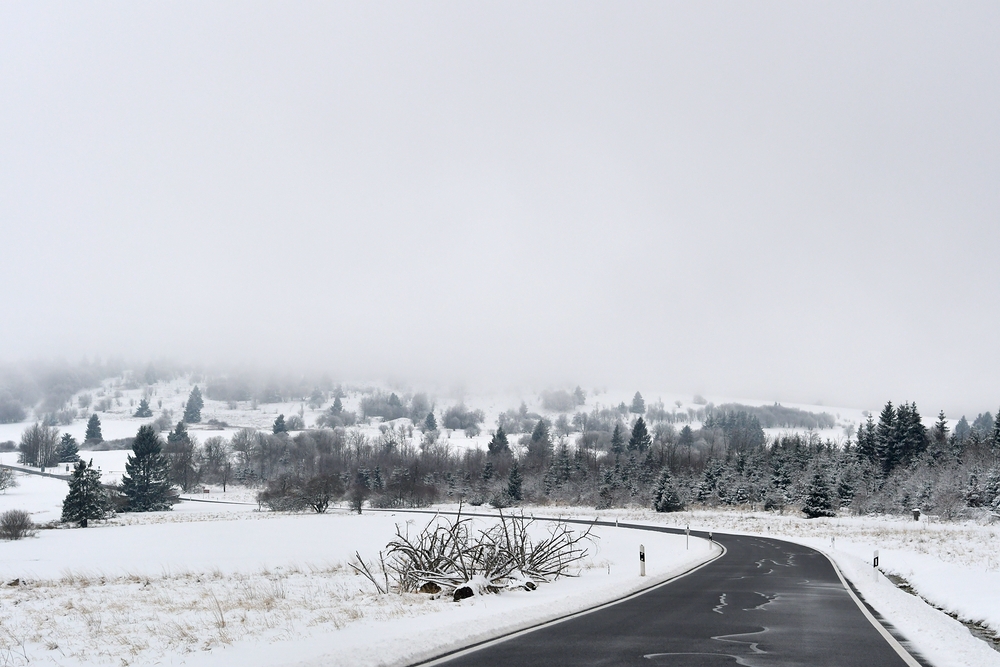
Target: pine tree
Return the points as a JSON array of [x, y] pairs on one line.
[[144, 411], [179, 452], [867, 441], [640, 440], [915, 438], [87, 498], [819, 500], [962, 429], [617, 440], [338, 406], [94, 429], [540, 445], [192, 409], [638, 404], [541, 432], [430, 423], [995, 439], [279, 425], [498, 444], [68, 449], [941, 428], [885, 438], [514, 483], [665, 498], [145, 481]]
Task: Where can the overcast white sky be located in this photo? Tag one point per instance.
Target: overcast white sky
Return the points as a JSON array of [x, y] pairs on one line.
[[791, 201]]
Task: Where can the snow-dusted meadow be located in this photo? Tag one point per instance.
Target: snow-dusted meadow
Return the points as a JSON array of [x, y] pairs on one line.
[[223, 584], [220, 583]]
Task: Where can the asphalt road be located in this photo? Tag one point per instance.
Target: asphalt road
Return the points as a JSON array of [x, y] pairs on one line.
[[764, 603]]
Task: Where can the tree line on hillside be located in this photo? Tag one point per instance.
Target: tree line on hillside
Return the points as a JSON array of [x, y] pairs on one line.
[[607, 457]]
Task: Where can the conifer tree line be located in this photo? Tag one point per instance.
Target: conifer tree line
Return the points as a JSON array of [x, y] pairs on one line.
[[629, 455], [893, 465]]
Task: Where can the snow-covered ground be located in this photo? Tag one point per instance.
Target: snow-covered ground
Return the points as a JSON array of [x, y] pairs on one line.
[[225, 585]]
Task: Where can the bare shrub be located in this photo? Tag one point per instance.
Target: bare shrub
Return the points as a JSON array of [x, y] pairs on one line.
[[15, 524], [458, 417], [558, 401], [7, 479], [449, 554]]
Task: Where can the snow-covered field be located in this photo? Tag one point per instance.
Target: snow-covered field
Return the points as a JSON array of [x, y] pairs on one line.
[[224, 585]]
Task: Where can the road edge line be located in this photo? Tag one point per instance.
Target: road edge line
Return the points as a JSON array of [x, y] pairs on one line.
[[889, 638], [471, 648]]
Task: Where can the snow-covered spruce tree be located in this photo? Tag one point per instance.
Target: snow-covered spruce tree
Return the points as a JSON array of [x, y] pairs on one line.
[[68, 449], [192, 409], [539, 446], [145, 481], [640, 440], [995, 439], [430, 423], [498, 444], [638, 404], [665, 498], [279, 425], [617, 440], [87, 498], [514, 483], [94, 429], [819, 500], [143, 411]]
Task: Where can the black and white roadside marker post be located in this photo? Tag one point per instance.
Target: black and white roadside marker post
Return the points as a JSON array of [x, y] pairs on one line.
[[642, 561], [687, 537], [875, 566]]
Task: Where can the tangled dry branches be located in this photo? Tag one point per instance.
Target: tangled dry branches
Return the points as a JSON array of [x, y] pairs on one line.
[[449, 554]]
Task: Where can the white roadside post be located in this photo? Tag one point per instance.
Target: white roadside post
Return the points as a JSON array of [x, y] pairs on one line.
[[642, 561], [687, 537], [875, 566]]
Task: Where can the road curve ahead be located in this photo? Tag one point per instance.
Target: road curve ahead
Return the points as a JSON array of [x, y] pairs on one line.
[[764, 603]]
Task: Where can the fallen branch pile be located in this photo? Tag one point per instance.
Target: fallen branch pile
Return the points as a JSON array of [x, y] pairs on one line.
[[449, 556]]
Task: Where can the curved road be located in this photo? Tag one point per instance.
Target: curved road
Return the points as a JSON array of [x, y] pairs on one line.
[[764, 603]]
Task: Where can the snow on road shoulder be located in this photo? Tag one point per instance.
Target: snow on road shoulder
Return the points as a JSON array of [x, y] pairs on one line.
[[934, 635], [953, 566], [248, 588]]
